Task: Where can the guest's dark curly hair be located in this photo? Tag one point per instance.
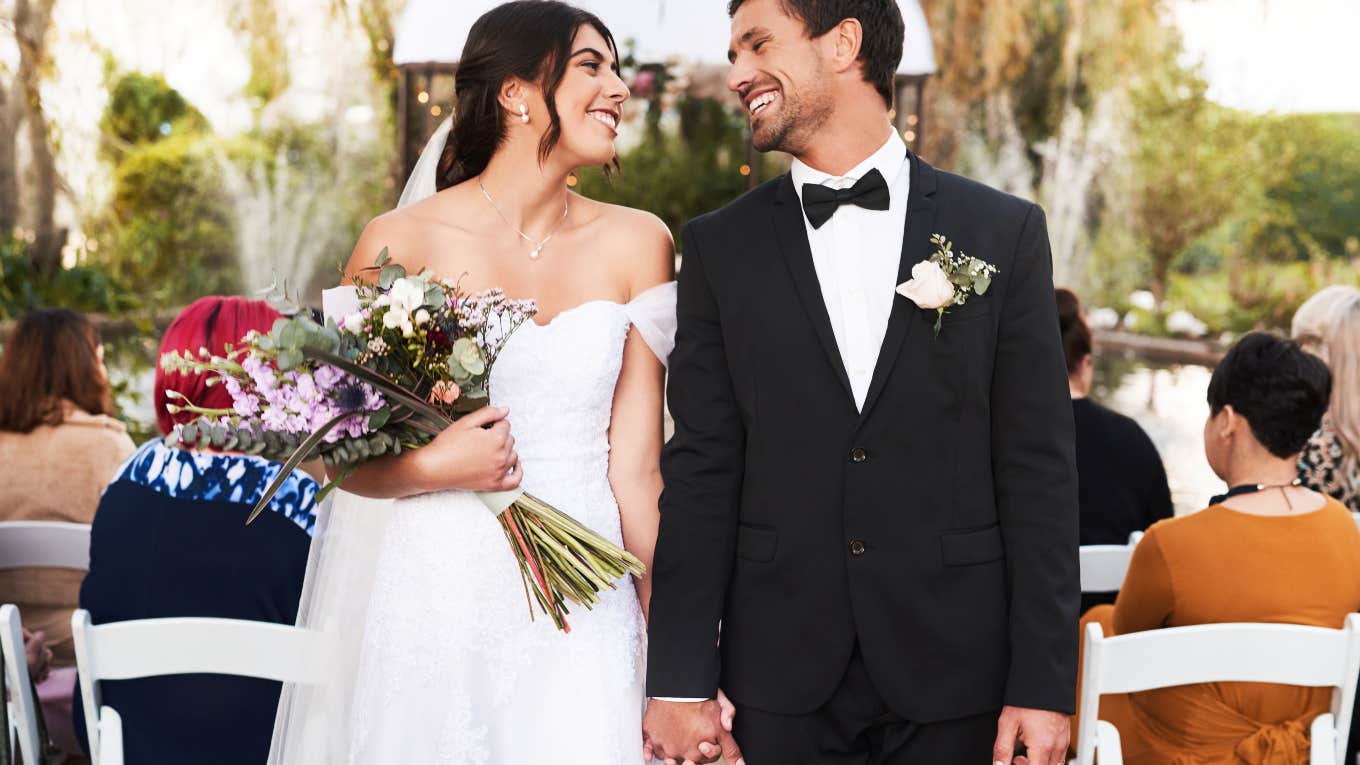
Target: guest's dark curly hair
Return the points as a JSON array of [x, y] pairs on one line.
[[1278, 387]]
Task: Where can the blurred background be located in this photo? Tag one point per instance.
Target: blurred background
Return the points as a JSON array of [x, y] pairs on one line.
[[1199, 160]]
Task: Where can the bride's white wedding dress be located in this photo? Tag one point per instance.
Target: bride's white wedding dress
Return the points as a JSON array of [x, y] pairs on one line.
[[446, 665]]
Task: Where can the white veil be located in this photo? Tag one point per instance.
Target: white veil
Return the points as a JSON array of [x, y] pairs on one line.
[[313, 721]]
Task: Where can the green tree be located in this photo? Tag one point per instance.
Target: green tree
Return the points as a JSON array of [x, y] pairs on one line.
[[169, 227], [1187, 168], [143, 108]]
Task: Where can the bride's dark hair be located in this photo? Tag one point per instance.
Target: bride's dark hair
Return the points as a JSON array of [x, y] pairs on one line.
[[528, 39]]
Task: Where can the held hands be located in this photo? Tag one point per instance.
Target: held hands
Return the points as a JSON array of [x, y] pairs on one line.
[[1044, 734], [690, 733], [475, 453]]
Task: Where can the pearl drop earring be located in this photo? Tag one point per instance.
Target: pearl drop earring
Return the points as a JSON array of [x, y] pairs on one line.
[[524, 114]]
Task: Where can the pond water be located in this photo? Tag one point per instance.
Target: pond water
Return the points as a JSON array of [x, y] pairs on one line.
[[1166, 400]]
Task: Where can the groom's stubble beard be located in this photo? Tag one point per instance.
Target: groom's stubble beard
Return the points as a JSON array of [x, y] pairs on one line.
[[805, 111]]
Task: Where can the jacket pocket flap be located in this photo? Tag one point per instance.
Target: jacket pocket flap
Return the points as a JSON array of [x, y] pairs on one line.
[[969, 548], [756, 544]]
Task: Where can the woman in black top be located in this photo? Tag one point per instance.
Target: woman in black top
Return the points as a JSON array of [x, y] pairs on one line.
[[1122, 483]]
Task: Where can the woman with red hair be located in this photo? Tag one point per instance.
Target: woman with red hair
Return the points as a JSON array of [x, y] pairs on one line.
[[170, 539]]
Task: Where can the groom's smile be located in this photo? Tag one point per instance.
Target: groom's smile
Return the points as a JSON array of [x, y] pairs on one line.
[[776, 72]]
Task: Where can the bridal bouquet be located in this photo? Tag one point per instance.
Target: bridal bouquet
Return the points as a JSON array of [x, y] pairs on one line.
[[414, 355]]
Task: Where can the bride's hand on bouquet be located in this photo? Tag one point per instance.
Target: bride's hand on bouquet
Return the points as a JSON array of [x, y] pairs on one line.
[[476, 453]]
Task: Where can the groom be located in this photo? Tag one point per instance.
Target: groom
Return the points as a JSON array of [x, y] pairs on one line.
[[869, 527]]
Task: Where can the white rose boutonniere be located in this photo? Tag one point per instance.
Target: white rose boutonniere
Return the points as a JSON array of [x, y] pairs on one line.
[[946, 280]]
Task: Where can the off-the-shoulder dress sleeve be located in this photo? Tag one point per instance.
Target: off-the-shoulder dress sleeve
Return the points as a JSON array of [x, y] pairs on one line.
[[653, 313]]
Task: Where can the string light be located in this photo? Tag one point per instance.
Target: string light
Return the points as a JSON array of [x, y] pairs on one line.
[[423, 97], [910, 136], [571, 181], [912, 119], [436, 111], [745, 170]]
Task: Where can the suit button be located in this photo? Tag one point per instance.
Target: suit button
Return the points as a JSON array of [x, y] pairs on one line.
[[858, 455], [857, 547]]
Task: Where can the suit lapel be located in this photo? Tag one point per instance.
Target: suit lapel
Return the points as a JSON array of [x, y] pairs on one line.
[[793, 241], [921, 213]]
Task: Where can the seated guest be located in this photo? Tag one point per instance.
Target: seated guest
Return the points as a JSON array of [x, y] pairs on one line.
[[1122, 485], [59, 445], [1328, 324], [170, 539], [1268, 550]]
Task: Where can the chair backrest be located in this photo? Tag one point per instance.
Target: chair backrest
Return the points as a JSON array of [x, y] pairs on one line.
[[151, 647], [1103, 566], [44, 544], [1264, 653], [23, 713]]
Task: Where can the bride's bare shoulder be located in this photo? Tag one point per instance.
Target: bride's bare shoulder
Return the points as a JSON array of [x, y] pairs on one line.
[[411, 234], [637, 242]]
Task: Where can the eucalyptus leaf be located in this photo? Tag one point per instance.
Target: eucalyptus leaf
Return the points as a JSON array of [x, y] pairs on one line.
[[390, 274], [189, 434], [982, 284], [383, 258], [218, 436], [290, 359], [379, 418]]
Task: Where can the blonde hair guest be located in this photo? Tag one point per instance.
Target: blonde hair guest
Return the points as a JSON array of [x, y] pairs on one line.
[[1328, 324]]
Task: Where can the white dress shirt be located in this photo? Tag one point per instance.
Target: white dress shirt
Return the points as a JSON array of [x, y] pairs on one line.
[[856, 255]]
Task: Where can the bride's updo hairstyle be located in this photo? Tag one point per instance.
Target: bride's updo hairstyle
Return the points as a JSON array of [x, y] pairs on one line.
[[527, 39]]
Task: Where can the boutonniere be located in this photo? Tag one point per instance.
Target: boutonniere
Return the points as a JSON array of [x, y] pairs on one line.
[[946, 280]]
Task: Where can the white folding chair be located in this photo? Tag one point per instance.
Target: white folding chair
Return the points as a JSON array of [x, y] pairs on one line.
[[151, 647], [23, 720], [1261, 653], [44, 544], [32, 544], [1103, 566]]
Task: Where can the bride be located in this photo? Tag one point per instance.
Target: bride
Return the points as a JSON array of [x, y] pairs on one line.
[[437, 659]]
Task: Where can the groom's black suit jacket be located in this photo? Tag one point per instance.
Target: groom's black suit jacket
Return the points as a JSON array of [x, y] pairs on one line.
[[938, 528]]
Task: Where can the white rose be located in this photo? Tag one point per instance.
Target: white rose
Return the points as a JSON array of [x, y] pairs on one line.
[[354, 323], [422, 316], [395, 319], [929, 287], [408, 294]]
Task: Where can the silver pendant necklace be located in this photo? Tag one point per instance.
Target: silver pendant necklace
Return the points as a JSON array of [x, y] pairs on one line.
[[537, 247]]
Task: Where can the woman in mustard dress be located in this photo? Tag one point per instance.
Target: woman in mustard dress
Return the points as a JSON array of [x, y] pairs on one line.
[[1269, 550]]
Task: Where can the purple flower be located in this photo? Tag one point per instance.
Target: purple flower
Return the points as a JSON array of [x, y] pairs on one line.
[[327, 377], [274, 418], [260, 372], [246, 405]]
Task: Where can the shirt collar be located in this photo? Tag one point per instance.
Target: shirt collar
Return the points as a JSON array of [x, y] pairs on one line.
[[889, 160]]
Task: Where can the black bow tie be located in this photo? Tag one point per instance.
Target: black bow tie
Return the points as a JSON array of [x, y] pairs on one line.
[[821, 202]]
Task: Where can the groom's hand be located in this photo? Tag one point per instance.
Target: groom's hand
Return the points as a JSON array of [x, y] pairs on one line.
[[1044, 734], [687, 732]]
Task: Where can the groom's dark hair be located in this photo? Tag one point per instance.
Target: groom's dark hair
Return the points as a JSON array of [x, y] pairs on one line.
[[881, 49]]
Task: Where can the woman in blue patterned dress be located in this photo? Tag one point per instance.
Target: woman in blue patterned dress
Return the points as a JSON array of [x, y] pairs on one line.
[[170, 539]]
